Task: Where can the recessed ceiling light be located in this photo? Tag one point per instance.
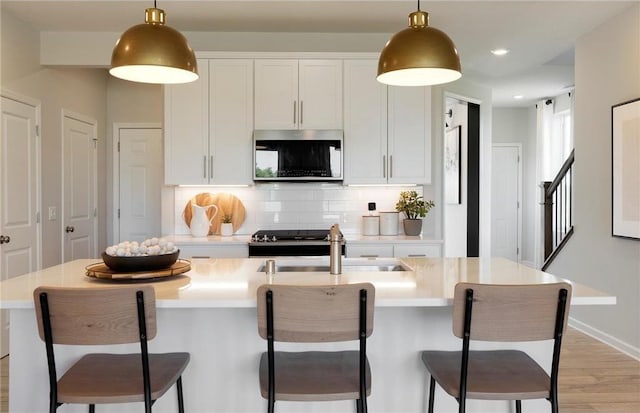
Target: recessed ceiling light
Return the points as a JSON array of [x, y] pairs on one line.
[[518, 96], [500, 52]]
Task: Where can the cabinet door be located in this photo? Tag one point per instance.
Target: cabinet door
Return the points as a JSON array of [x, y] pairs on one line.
[[409, 140], [320, 94], [365, 123], [369, 250], [230, 120], [186, 130], [276, 94], [417, 250]]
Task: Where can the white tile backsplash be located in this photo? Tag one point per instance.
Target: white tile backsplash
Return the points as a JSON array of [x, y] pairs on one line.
[[297, 206]]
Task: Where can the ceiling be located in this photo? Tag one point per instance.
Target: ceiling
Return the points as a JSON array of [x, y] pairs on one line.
[[539, 34]]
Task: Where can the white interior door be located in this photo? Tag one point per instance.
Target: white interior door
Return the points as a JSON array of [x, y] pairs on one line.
[[140, 183], [19, 202], [505, 201], [80, 214]]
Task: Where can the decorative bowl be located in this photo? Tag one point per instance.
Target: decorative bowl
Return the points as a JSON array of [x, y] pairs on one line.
[[140, 263]]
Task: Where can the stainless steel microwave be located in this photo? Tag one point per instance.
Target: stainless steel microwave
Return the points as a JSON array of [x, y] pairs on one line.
[[297, 155]]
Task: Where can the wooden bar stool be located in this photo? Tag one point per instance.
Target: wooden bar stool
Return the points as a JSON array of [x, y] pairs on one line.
[[107, 315], [315, 314], [501, 313]]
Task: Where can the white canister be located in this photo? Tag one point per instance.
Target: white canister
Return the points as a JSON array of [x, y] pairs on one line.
[[370, 225], [389, 223]]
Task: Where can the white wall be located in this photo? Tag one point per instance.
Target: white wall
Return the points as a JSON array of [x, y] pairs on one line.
[[81, 91], [470, 92], [607, 72], [455, 215], [518, 125], [127, 102]]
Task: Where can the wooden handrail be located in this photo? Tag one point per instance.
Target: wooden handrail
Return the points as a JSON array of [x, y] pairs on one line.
[[563, 171], [558, 220]]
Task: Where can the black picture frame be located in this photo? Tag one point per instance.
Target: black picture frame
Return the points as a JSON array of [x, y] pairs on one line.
[[625, 169]]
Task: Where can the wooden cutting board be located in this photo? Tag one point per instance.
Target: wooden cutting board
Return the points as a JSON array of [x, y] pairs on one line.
[[227, 204]]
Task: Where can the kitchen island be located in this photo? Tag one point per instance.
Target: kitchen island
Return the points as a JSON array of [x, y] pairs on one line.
[[210, 312]]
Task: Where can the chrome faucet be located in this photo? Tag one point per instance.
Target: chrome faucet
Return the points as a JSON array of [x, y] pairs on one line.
[[335, 250]]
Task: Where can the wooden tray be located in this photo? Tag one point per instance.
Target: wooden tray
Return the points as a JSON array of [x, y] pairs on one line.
[[101, 271]]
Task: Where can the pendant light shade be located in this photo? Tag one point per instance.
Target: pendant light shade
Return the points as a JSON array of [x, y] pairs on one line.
[[419, 55], [154, 53]]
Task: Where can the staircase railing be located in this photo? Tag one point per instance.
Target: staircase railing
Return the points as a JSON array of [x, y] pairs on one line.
[[558, 211]]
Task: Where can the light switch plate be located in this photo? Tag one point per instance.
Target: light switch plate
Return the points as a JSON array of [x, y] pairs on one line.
[[53, 215]]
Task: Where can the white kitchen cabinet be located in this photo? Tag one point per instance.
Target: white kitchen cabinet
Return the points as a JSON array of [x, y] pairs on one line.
[[387, 129], [209, 125], [213, 250], [409, 135], [298, 94], [394, 249], [186, 130], [365, 123], [369, 250], [417, 250]]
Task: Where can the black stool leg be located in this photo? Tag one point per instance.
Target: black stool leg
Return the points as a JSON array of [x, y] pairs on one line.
[[180, 397], [518, 406], [432, 389]]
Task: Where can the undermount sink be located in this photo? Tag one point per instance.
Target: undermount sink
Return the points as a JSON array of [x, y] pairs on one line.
[[348, 265]]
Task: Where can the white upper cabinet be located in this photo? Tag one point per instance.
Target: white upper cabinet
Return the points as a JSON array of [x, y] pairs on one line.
[[231, 121], [298, 94], [186, 130], [209, 125], [387, 129], [365, 123], [409, 135]]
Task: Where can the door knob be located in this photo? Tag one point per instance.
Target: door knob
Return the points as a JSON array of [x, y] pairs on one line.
[[69, 229], [5, 239]]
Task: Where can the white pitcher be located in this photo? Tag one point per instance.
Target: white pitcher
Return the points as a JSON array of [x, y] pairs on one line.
[[200, 222]]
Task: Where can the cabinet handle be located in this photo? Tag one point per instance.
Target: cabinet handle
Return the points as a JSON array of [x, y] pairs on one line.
[[417, 255], [211, 167], [301, 111], [294, 112], [204, 166], [369, 255], [390, 166], [384, 166]]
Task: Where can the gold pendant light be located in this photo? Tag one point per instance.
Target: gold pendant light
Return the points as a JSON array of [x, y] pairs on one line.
[[419, 55], [154, 53]]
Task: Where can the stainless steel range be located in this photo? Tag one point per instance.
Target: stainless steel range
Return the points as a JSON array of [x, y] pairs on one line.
[[285, 242]]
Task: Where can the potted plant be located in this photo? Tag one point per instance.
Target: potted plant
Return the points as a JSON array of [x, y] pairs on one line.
[[414, 208], [226, 227]]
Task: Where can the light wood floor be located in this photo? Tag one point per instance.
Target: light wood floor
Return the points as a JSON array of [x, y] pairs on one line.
[[594, 378]]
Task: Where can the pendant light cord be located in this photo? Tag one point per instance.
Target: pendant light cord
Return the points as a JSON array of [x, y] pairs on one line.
[[418, 5]]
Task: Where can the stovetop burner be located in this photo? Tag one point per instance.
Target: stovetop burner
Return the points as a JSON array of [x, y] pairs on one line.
[[274, 235]]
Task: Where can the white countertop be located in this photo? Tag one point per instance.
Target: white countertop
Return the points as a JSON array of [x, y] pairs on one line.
[[232, 282]]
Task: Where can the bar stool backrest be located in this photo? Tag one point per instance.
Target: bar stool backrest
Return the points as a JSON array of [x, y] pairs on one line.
[[96, 316], [314, 314], [510, 312]]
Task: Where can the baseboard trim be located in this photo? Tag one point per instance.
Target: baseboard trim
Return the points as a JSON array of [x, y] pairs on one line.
[[605, 338], [528, 264]]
